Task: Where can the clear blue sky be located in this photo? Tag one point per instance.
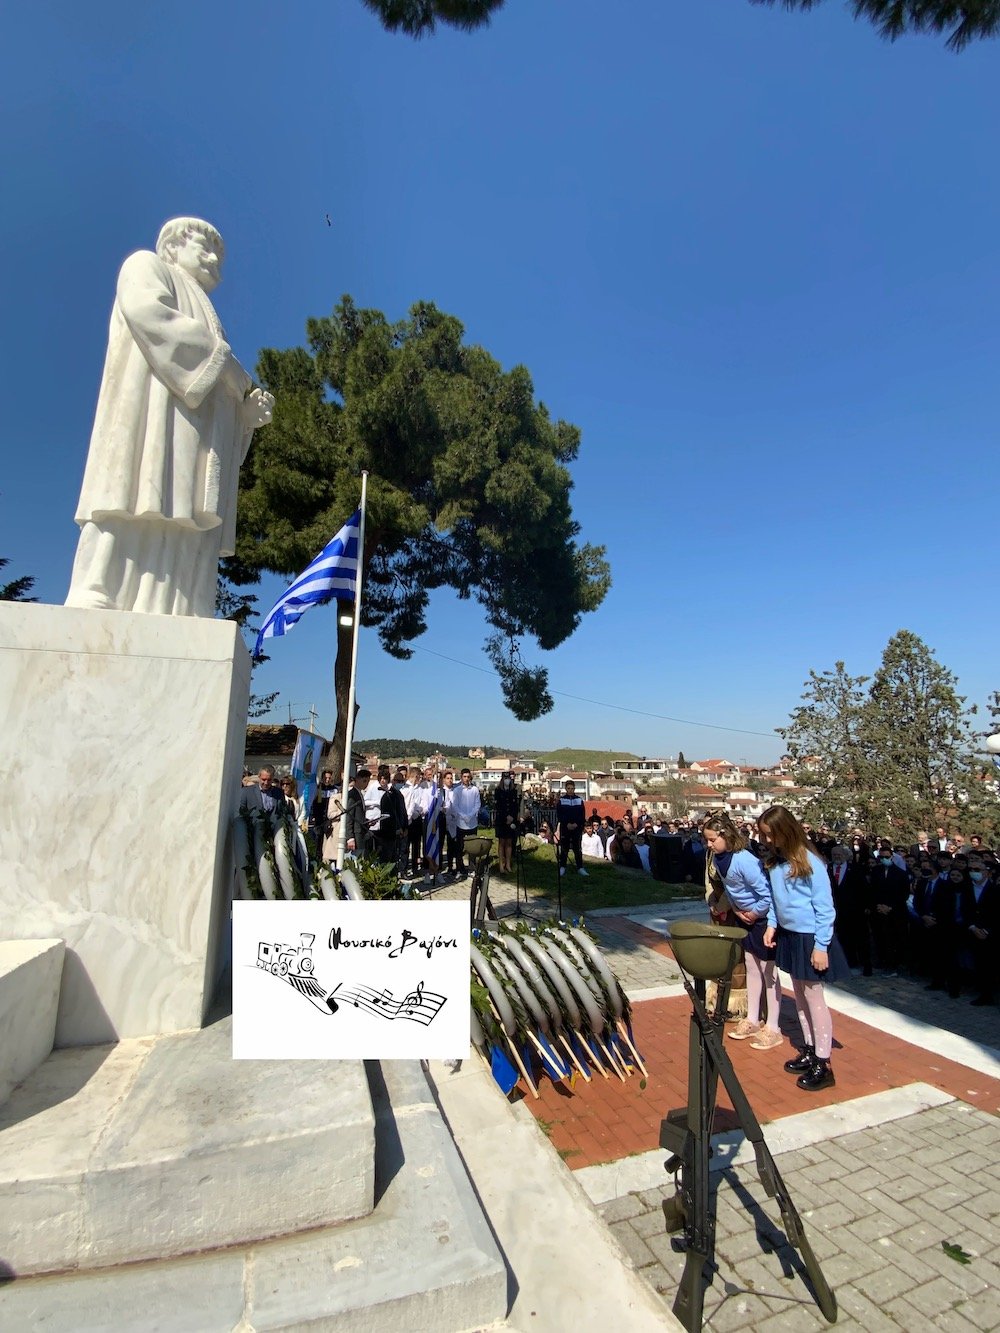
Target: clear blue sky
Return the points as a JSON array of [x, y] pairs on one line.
[[752, 254]]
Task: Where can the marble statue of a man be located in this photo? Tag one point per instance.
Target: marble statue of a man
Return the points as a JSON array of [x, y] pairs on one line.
[[174, 420]]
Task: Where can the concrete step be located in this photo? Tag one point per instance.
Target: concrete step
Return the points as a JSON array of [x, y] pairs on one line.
[[160, 1147], [425, 1258], [30, 977]]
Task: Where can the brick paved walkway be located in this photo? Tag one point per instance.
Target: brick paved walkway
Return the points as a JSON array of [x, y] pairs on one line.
[[607, 1119], [878, 1205]]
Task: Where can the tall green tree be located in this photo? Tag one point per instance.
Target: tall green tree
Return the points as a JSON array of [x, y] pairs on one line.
[[418, 18], [896, 757], [469, 488], [964, 22], [917, 734], [230, 604], [17, 589], [823, 743]]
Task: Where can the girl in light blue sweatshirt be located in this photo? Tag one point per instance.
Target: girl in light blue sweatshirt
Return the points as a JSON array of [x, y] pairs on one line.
[[737, 884], [800, 922]]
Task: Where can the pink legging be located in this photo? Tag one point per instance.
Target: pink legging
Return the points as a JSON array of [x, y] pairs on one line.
[[814, 1016], [762, 977]]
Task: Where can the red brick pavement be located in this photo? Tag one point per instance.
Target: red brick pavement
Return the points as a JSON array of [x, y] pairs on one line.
[[607, 1119]]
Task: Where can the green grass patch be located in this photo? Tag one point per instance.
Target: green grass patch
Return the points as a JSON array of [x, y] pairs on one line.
[[606, 885]]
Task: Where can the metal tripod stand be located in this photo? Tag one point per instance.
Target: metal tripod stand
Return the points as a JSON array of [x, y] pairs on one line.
[[709, 953]]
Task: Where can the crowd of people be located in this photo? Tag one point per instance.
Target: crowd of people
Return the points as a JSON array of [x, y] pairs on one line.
[[930, 907]]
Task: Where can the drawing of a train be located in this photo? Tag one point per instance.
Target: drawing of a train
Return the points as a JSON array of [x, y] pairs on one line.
[[282, 959]]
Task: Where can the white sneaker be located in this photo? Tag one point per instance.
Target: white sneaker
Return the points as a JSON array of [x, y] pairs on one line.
[[581, 871], [562, 870]]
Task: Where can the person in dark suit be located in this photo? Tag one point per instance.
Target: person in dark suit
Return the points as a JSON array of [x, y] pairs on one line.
[[266, 796], [888, 890], [850, 900], [953, 907], [984, 929]]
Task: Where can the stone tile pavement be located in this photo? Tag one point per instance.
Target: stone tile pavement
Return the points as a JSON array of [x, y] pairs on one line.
[[879, 1205]]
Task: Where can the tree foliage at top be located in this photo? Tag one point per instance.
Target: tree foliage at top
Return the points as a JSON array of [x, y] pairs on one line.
[[469, 487], [242, 607], [899, 755], [17, 589], [964, 22], [419, 18]]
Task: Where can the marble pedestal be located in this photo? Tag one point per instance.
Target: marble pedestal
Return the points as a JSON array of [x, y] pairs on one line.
[[123, 739]]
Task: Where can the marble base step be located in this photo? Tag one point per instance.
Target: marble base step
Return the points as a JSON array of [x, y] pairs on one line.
[[30, 977], [425, 1258], [160, 1147]]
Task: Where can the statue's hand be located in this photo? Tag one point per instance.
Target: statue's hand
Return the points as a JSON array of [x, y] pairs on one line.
[[258, 407]]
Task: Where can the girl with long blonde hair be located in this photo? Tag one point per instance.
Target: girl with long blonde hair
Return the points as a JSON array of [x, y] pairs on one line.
[[800, 923]]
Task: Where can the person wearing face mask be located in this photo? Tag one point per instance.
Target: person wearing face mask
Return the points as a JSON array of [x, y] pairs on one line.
[[800, 923], [983, 930], [506, 816], [888, 890]]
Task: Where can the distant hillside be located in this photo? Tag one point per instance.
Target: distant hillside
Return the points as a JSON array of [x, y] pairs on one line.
[[398, 749], [577, 760], [581, 760]]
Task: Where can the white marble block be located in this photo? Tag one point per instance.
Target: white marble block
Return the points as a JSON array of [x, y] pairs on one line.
[[30, 976], [124, 740]]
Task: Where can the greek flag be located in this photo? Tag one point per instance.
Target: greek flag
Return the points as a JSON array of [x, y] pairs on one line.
[[333, 575], [432, 833]]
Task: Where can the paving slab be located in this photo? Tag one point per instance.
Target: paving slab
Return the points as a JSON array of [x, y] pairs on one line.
[[874, 1277]]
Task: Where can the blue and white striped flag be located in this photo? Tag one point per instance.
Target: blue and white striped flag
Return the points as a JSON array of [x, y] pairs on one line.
[[432, 831], [332, 576]]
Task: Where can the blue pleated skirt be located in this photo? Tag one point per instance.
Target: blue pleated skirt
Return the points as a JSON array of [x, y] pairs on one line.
[[795, 951]]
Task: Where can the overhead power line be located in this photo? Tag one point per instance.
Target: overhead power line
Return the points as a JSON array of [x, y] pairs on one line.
[[603, 703]]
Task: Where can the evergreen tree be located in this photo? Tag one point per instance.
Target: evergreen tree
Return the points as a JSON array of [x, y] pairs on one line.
[[468, 488], [896, 757], [242, 607], [681, 761], [964, 22], [822, 738], [418, 18], [918, 737], [17, 589]]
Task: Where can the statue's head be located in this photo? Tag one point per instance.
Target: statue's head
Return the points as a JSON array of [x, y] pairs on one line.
[[194, 246]]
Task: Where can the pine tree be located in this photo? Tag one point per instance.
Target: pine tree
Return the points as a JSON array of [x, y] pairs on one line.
[[896, 757], [681, 761], [418, 18], [17, 590], [964, 22], [822, 738], [468, 488]]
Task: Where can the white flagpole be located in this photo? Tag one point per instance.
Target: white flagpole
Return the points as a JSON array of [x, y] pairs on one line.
[[349, 737]]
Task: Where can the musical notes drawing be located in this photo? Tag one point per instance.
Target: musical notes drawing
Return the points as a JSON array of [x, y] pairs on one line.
[[418, 1006]]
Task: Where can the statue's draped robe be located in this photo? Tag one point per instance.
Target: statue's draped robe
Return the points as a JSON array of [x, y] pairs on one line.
[[166, 448]]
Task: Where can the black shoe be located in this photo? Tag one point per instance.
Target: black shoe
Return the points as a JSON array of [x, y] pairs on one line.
[[981, 1000], [935, 985], [954, 992], [803, 1062], [820, 1076]]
